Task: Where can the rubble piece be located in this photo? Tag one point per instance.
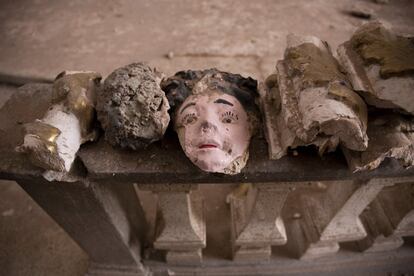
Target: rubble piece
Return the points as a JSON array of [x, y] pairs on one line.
[[380, 65], [308, 101], [360, 11], [256, 222], [390, 135], [53, 141], [389, 218], [132, 108]]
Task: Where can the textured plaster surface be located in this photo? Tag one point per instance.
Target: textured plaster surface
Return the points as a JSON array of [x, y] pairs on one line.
[[132, 108]]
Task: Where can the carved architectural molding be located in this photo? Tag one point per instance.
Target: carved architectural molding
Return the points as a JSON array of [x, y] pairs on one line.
[[256, 222]]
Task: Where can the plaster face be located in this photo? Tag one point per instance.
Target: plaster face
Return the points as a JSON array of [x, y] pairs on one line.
[[213, 129]]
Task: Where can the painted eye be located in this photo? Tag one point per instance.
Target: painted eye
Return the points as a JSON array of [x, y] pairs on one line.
[[229, 117], [189, 119]]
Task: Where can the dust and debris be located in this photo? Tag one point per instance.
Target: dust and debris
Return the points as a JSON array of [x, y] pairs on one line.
[[8, 213], [360, 11], [321, 185], [170, 55]]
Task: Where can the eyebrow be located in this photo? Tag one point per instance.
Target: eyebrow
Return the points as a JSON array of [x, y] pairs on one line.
[[188, 105], [222, 101]]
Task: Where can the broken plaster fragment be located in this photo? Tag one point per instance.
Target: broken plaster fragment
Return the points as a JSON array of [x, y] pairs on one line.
[[390, 136], [308, 101], [132, 108], [40, 144], [52, 142], [380, 65]]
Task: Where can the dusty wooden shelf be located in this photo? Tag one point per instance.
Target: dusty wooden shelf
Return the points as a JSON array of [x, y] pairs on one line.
[[164, 162]]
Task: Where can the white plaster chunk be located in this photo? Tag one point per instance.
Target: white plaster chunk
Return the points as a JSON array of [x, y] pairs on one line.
[[69, 140], [390, 136], [398, 90]]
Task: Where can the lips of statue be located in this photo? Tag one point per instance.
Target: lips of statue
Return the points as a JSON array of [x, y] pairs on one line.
[[213, 130]]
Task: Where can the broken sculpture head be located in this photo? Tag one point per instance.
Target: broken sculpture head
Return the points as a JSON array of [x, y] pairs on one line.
[[214, 116]]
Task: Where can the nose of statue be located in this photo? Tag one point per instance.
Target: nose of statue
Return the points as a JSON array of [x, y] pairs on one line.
[[207, 126]]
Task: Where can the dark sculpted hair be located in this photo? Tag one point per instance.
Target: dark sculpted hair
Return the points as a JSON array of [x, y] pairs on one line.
[[178, 87]]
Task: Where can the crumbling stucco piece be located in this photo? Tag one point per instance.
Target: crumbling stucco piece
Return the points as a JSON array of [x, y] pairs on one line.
[[390, 135], [380, 65], [52, 142], [132, 108], [308, 100]]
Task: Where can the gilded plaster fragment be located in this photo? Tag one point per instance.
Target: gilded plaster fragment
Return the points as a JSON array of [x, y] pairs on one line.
[[52, 142], [78, 91], [40, 144]]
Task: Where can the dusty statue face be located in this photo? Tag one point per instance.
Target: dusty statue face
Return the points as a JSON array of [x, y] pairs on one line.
[[214, 130]]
